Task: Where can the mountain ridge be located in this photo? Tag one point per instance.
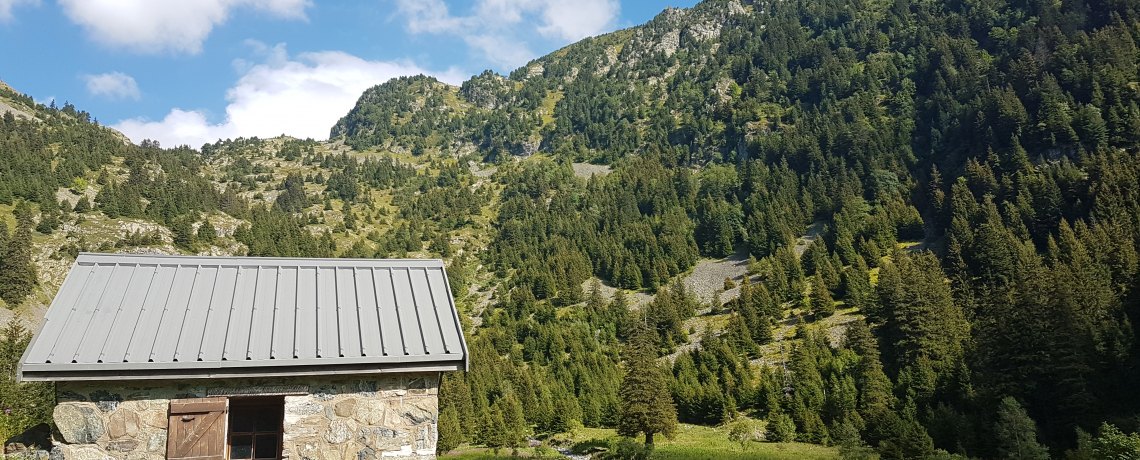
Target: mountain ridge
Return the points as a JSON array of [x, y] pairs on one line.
[[1003, 137]]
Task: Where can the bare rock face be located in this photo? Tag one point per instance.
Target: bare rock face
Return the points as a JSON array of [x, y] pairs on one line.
[[79, 423]]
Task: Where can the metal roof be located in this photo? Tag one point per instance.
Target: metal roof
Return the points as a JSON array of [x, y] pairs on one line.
[[120, 316]]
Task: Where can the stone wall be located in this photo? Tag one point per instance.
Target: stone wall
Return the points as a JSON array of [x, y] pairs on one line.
[[385, 416]]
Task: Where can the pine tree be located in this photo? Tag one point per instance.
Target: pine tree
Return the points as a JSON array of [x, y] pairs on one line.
[[4, 238], [17, 272], [646, 405], [822, 304], [857, 289], [450, 434], [29, 403], [781, 427], [82, 206], [206, 232], [1016, 433], [183, 233], [491, 429], [514, 427], [441, 245]]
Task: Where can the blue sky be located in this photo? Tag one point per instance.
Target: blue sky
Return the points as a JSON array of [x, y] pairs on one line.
[[193, 71]]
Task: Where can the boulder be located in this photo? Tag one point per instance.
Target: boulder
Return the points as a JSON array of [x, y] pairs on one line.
[[78, 423]]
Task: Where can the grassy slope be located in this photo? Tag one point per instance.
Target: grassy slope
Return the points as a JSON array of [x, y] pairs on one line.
[[692, 442]]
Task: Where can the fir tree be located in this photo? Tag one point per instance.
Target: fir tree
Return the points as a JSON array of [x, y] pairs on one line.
[[822, 304], [206, 232], [646, 405], [450, 433], [17, 273], [1016, 433], [183, 232], [82, 206]]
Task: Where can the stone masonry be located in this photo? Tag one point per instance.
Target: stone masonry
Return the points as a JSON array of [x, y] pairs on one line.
[[379, 417]]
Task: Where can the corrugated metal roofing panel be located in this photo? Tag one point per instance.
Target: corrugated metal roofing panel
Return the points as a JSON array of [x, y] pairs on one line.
[[390, 330], [130, 309], [285, 307], [128, 316]]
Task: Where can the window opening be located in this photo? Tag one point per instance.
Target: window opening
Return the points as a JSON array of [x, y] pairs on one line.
[[255, 428]]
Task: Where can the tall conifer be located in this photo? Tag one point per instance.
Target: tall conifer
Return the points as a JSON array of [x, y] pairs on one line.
[[17, 273], [646, 405]]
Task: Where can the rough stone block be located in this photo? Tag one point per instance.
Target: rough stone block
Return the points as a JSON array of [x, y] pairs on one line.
[[366, 453], [369, 412], [105, 400], [425, 436], [346, 408], [393, 414], [138, 405], [419, 410], [122, 445], [339, 431], [78, 423], [155, 418], [123, 423], [85, 452], [384, 440], [156, 442]]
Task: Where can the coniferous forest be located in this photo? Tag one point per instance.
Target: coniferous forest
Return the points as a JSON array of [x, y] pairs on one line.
[[937, 205]]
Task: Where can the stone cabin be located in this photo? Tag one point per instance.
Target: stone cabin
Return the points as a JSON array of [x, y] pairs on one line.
[[219, 358]]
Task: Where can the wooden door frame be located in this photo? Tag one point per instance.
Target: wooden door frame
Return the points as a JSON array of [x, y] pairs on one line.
[[254, 401]]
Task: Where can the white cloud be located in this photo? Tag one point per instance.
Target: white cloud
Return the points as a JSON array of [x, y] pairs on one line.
[[149, 26], [498, 28], [115, 85], [301, 97], [6, 7], [579, 19]]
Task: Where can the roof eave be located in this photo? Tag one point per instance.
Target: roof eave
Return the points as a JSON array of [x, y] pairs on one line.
[[63, 375]]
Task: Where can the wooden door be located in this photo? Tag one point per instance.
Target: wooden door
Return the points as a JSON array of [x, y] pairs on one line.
[[197, 429]]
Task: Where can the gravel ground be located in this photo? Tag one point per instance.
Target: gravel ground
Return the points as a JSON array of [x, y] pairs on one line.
[[482, 172], [813, 232], [585, 170], [708, 277]]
